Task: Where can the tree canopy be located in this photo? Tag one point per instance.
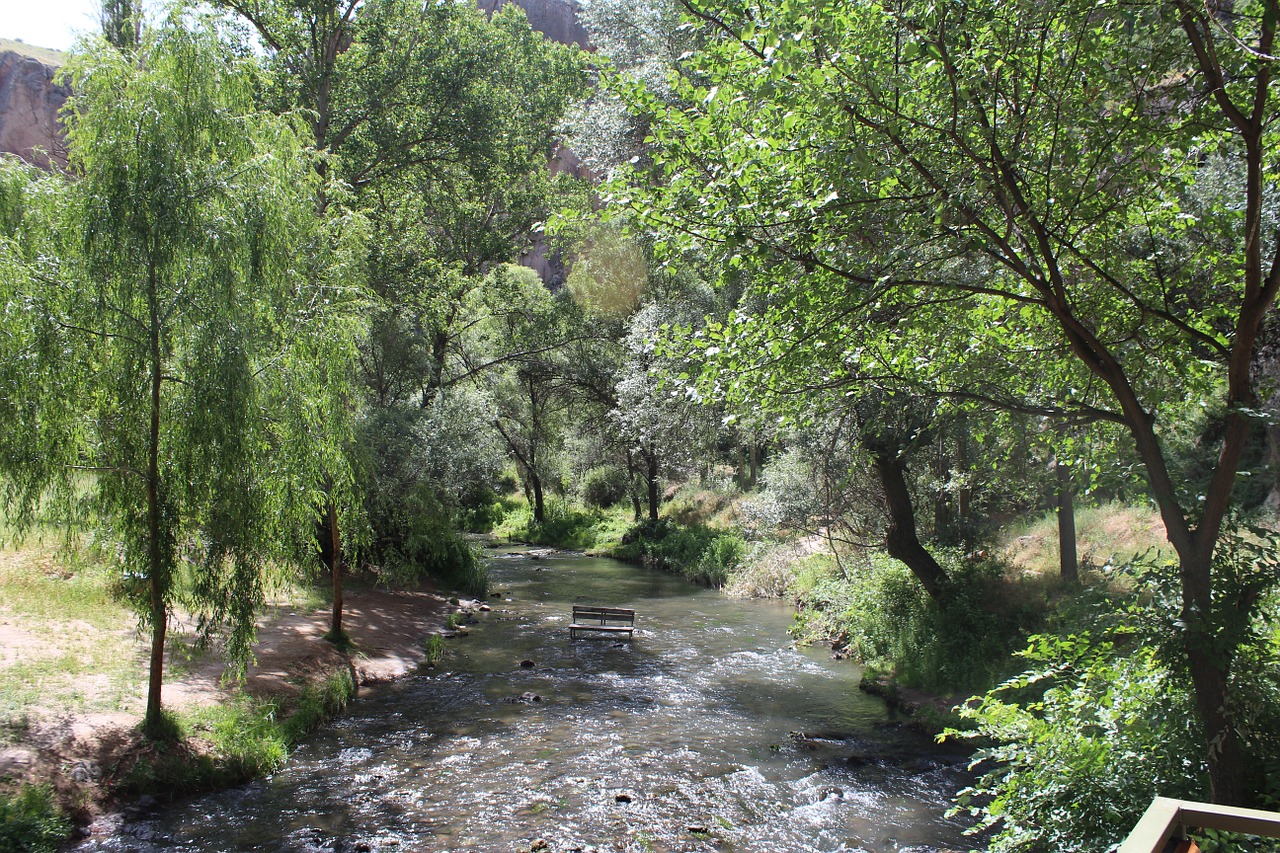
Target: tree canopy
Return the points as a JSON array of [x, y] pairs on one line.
[[1073, 199]]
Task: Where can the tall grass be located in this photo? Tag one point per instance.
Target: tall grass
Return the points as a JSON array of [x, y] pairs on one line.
[[881, 615], [565, 525], [701, 554], [1109, 534], [433, 646], [223, 745]]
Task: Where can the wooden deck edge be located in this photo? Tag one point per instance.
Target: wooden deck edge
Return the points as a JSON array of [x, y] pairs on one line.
[[1167, 817]]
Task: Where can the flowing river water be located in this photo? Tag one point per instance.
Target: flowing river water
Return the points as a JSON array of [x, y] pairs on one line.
[[708, 732]]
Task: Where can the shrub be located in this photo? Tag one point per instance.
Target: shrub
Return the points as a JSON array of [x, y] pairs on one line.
[[562, 526], [481, 510], [433, 646], [416, 537], [565, 526], [771, 570], [719, 558], [1098, 725], [1084, 741], [604, 486], [701, 554], [31, 821], [787, 499], [881, 613]]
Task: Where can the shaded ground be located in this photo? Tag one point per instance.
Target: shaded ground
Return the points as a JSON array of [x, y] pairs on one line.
[[80, 753]]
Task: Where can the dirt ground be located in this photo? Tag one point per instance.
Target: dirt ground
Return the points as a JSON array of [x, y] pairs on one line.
[[76, 752]]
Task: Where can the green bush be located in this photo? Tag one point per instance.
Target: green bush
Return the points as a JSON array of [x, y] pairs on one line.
[[1083, 741], [481, 509], [31, 821], [416, 537], [718, 560], [566, 526], [604, 486], [701, 554], [562, 526], [881, 613], [1102, 722]]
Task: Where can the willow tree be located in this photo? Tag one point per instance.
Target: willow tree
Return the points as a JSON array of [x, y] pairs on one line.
[[1075, 195], [158, 317]]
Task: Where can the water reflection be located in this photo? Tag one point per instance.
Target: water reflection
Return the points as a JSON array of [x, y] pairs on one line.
[[684, 739]]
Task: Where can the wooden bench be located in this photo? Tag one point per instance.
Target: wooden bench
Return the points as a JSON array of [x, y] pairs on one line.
[[607, 620]]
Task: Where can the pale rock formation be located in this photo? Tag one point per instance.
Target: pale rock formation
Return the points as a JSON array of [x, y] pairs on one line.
[[556, 19], [29, 104]]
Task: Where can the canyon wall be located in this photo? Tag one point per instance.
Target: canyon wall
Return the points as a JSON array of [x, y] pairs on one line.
[[29, 104]]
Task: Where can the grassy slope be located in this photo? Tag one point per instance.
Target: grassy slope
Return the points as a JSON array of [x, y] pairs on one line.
[[1112, 533], [44, 54]]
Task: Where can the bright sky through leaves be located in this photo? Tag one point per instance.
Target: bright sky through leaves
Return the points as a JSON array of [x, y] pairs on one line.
[[51, 23]]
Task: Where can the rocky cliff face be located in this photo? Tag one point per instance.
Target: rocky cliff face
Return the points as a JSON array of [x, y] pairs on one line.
[[29, 104], [556, 19]]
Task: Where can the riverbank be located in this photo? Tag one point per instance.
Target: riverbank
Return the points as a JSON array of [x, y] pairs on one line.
[[90, 759]]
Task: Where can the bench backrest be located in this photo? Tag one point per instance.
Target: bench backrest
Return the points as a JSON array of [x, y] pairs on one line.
[[618, 614]]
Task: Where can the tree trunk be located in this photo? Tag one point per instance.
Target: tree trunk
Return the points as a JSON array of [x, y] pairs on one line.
[[1066, 524], [944, 522], [1209, 665], [632, 471], [1226, 757], [539, 509], [965, 492], [157, 559], [651, 480], [335, 567], [901, 540], [439, 353], [153, 721]]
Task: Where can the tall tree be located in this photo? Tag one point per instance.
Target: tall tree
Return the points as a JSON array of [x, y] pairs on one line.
[[151, 309], [122, 23], [440, 111], [1078, 192], [665, 425], [525, 332]]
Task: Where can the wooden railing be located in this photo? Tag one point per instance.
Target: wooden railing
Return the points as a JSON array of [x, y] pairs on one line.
[[1166, 819]]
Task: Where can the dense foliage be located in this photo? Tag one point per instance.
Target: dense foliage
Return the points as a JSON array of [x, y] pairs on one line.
[[31, 822], [867, 280], [1082, 187], [1102, 721], [158, 311], [879, 614]]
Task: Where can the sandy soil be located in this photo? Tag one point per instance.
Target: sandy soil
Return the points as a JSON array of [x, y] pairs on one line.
[[78, 754]]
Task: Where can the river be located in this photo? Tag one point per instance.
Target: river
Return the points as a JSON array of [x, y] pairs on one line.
[[708, 732]]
